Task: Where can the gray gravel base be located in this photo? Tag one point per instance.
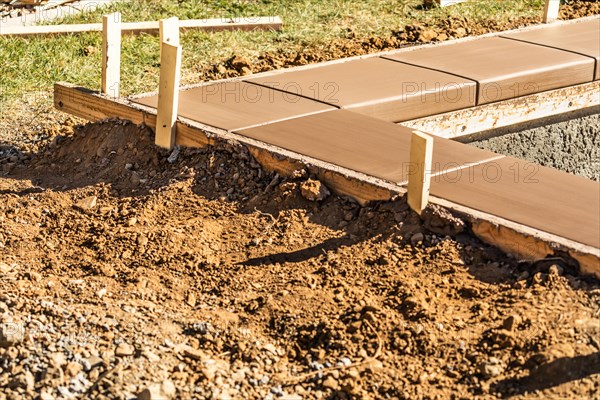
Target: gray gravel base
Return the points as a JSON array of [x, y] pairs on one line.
[[572, 146]]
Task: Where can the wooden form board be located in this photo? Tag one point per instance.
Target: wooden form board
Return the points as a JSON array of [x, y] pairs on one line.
[[419, 178], [551, 9], [111, 54], [168, 95], [168, 32], [494, 230], [527, 110], [150, 27]]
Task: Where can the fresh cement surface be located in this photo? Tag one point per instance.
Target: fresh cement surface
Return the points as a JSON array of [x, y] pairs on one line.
[[572, 146]]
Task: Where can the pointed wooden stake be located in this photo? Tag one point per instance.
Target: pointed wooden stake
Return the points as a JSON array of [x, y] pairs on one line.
[[551, 11], [419, 174], [111, 54], [168, 31], [168, 95]]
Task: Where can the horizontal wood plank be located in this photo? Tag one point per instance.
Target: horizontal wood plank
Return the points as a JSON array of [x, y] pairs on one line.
[[150, 27]]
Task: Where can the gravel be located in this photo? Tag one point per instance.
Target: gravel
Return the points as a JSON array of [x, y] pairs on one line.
[[572, 146]]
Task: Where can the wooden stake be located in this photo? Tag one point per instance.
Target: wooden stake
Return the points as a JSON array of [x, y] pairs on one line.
[[168, 95], [419, 174], [111, 54], [551, 11], [168, 31]]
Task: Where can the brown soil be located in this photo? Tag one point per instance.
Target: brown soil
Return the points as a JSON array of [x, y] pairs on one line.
[[124, 274], [207, 275]]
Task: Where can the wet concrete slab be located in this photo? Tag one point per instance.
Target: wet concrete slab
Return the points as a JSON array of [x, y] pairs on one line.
[[539, 197], [581, 38], [236, 105], [378, 88], [363, 144], [504, 68]]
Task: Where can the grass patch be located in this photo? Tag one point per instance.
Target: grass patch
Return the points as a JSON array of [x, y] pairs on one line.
[[34, 64]]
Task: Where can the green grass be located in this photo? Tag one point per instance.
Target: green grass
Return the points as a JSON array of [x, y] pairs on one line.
[[34, 64]]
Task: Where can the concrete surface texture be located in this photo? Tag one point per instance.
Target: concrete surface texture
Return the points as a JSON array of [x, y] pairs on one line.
[[364, 144], [378, 87], [582, 38], [505, 68], [572, 146], [237, 105]]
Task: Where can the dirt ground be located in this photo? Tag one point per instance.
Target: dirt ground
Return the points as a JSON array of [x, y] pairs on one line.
[[124, 274], [128, 272]]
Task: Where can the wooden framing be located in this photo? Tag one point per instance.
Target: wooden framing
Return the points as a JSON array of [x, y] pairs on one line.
[[523, 241], [419, 174], [514, 238], [520, 112], [150, 27], [168, 32], [168, 95], [111, 54]]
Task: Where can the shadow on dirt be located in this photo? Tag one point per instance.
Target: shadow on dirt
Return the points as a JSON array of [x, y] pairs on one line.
[[554, 373]]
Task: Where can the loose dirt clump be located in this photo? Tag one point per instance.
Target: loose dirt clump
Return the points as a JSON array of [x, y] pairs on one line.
[[130, 272]]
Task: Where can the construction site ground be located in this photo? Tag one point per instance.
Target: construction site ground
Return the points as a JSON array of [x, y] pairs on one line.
[[130, 272]]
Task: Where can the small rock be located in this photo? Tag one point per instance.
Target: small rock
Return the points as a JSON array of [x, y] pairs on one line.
[[11, 334], [124, 350], [239, 63], [330, 383], [132, 221], [245, 71], [87, 203], [493, 367], [46, 396], [416, 238], [191, 299], [159, 391], [91, 362], [459, 32], [556, 270], [24, 380], [511, 322], [57, 359], [150, 356], [427, 35], [142, 240], [290, 397], [313, 190], [73, 368], [134, 178], [194, 354]]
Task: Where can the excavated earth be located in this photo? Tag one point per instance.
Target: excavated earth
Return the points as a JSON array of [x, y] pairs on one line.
[[129, 272]]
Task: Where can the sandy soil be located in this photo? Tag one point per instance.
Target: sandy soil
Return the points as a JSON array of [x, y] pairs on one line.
[[124, 274]]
